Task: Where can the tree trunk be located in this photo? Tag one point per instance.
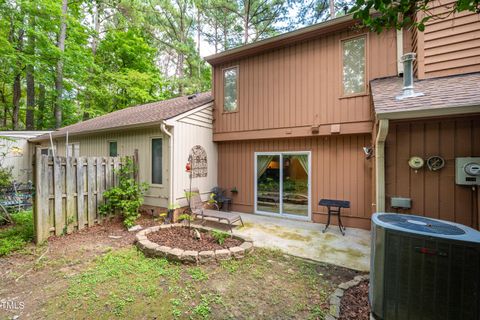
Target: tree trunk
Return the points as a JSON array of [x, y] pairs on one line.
[[246, 21], [30, 77], [17, 84], [41, 107], [332, 9], [17, 94], [59, 70]]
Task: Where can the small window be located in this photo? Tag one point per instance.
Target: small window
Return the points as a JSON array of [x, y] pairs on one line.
[[157, 161], [353, 51], [230, 89], [112, 149], [46, 152]]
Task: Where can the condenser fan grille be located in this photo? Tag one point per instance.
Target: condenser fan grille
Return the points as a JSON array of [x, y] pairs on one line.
[[421, 224]]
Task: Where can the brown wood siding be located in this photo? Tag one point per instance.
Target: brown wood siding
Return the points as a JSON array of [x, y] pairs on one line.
[[451, 42], [299, 86], [339, 171], [433, 194]]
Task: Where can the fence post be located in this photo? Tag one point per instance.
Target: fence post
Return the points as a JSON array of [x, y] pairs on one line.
[[38, 204]]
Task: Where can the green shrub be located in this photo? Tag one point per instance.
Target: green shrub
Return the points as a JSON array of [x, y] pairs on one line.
[[127, 197], [220, 236], [19, 234]]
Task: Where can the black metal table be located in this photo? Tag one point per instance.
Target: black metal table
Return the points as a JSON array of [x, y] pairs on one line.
[[334, 207]]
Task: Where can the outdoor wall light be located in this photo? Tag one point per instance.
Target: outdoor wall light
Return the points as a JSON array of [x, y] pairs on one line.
[[368, 152]]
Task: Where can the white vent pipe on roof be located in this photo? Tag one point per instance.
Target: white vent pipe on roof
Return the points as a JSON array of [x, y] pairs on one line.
[[408, 92]]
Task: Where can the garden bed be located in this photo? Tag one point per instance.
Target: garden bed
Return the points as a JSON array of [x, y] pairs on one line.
[[184, 238], [178, 243], [354, 303]]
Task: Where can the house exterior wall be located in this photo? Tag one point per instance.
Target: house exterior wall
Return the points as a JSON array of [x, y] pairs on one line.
[[434, 193], [96, 145], [338, 167], [191, 129], [284, 92], [17, 154], [450, 44]]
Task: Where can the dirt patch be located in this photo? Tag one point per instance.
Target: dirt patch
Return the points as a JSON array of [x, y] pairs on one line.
[[184, 238], [39, 273], [354, 304]]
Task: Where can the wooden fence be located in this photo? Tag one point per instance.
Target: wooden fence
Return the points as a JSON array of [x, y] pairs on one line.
[[69, 191]]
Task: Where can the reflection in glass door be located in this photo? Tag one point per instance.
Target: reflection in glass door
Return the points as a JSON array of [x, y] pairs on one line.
[[268, 183], [282, 183], [295, 184]]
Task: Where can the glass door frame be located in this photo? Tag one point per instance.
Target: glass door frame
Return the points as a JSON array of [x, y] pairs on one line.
[[308, 217]]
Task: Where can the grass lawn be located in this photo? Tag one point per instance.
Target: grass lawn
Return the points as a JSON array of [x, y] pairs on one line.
[[90, 275], [16, 236]]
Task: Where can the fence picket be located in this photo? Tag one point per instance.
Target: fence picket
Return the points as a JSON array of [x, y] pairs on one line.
[[70, 190], [91, 189], [100, 185], [58, 196], [80, 194]]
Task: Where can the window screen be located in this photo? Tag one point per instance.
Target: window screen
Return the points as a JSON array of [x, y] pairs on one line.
[[353, 65], [157, 161], [112, 149], [230, 89]]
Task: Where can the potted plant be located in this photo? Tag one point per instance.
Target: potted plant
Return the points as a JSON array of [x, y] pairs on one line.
[[234, 190]]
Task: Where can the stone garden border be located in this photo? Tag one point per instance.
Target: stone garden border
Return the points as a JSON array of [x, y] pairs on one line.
[[336, 297], [152, 249]]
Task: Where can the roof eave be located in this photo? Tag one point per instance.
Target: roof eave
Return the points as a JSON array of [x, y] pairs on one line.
[[429, 113], [282, 40]]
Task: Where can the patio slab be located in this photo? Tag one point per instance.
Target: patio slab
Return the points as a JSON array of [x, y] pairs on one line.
[[306, 240]]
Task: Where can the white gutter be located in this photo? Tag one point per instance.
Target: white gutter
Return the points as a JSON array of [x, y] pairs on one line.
[[380, 165], [164, 129]]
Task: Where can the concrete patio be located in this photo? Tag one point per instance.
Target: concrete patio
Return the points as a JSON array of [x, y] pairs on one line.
[[306, 240]]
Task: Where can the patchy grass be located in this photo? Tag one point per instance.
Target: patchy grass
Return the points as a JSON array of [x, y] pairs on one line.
[[124, 284], [18, 235]]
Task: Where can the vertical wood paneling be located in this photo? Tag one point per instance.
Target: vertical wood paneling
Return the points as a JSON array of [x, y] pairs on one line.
[[434, 193], [300, 85], [339, 170], [451, 44]]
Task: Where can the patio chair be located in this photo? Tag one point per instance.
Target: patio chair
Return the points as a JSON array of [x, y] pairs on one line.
[[197, 208]]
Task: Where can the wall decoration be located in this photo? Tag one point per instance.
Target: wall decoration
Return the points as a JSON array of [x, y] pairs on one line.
[[198, 162], [415, 162], [435, 163]]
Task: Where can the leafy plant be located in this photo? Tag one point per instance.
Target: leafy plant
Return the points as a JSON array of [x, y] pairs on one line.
[[19, 234], [127, 197], [220, 236], [198, 274]]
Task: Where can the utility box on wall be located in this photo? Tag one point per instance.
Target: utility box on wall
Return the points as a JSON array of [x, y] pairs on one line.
[[467, 171]]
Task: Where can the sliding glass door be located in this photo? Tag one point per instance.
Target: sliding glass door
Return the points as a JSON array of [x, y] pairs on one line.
[[282, 183]]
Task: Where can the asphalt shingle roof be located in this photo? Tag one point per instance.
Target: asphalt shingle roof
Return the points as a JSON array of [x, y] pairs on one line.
[[446, 92], [138, 115]]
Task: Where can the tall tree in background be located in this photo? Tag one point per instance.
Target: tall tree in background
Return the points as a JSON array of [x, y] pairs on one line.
[[398, 14], [59, 68]]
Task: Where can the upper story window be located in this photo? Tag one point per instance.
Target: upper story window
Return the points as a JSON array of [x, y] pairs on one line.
[[112, 149], [353, 53], [230, 85]]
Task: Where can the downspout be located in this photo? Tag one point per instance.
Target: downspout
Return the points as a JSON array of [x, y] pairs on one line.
[[380, 164], [164, 129]]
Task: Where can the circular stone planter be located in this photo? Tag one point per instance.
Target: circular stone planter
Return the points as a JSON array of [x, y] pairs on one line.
[[152, 249]]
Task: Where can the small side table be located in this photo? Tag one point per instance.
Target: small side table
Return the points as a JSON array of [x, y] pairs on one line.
[[226, 204], [334, 207]]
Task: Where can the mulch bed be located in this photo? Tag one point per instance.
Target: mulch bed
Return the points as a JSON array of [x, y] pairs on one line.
[[354, 303], [183, 238]]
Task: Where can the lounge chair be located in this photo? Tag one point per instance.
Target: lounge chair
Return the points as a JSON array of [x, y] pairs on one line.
[[197, 207]]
